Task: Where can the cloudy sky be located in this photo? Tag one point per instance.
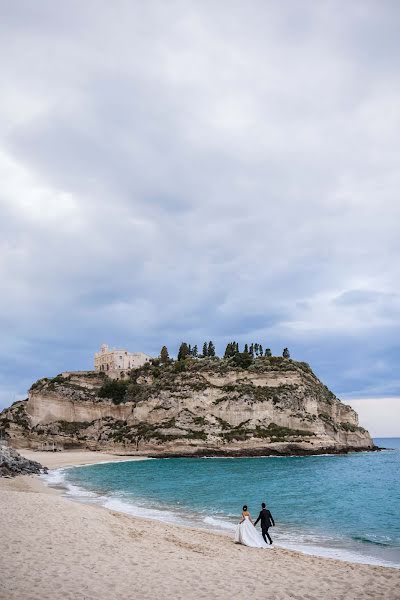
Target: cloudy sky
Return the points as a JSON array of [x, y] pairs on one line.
[[202, 170]]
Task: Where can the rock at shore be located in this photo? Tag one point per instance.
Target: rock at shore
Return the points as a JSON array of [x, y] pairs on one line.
[[12, 464]]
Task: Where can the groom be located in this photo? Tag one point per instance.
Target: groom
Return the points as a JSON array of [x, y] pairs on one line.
[[266, 520]]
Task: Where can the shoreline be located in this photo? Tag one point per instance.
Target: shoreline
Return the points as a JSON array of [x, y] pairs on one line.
[[79, 493], [262, 452], [192, 552]]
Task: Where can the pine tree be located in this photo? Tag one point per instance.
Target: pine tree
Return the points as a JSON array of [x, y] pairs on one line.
[[246, 349], [205, 350], [211, 349], [251, 351], [183, 351], [268, 352], [286, 353], [195, 351], [261, 350], [190, 350], [164, 355], [256, 349]]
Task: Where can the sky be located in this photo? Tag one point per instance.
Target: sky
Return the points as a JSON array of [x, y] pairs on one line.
[[202, 170]]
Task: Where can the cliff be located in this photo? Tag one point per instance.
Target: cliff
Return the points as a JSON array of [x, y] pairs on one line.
[[202, 407]]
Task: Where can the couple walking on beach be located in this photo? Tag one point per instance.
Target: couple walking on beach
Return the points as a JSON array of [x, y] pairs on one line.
[[246, 532]]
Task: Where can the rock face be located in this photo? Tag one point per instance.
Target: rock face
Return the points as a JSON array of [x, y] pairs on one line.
[[12, 464], [200, 407]]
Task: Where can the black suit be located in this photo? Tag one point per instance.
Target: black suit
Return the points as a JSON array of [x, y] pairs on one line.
[[266, 521]]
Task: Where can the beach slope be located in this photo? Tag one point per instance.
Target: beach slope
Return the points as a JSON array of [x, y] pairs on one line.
[[53, 548]]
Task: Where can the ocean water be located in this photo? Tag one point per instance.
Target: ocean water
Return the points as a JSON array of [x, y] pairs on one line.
[[340, 506]]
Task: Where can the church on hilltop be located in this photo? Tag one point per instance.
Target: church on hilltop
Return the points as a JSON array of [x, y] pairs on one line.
[[111, 359]]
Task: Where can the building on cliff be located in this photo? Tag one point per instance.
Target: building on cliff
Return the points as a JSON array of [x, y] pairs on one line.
[[111, 359]]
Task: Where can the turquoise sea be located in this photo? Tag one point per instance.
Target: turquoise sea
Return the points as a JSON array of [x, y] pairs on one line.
[[342, 506]]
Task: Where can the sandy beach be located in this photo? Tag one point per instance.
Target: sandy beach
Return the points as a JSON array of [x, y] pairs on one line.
[[54, 548]]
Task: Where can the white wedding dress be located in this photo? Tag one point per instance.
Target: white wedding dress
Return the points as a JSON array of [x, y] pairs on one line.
[[248, 535]]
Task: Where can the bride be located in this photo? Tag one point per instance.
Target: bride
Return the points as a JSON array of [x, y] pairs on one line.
[[247, 534]]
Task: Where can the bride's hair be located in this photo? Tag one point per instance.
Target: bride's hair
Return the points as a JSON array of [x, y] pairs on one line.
[[244, 507]]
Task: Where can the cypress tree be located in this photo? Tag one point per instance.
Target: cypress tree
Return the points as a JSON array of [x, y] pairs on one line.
[[205, 350], [246, 349], [211, 349], [195, 351], [164, 355], [286, 353], [231, 349], [183, 351]]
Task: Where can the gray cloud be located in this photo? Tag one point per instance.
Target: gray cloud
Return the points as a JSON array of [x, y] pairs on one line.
[[189, 170]]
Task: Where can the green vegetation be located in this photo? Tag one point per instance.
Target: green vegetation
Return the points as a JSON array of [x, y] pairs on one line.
[[164, 356], [277, 433], [184, 351], [325, 417], [4, 424], [58, 379], [223, 424], [113, 390], [39, 383], [19, 415], [350, 427], [72, 427], [242, 360], [239, 434], [231, 349], [211, 349], [120, 432], [273, 432]]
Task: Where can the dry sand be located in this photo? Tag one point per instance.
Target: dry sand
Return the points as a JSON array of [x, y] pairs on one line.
[[52, 460], [52, 548]]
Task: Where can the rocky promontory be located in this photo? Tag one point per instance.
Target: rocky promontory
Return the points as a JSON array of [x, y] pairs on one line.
[[191, 407]]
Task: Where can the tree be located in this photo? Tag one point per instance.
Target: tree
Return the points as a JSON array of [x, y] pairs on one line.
[[205, 350], [260, 350], [190, 350], [268, 352], [237, 347], [251, 350], [286, 353], [246, 349], [211, 349], [183, 351], [228, 350], [243, 359], [114, 389], [231, 349], [256, 349], [164, 355], [195, 351]]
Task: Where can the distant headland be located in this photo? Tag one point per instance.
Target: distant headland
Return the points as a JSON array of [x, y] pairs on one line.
[[246, 403]]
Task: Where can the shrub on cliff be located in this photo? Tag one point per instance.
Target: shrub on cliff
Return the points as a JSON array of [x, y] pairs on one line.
[[114, 390], [242, 359]]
